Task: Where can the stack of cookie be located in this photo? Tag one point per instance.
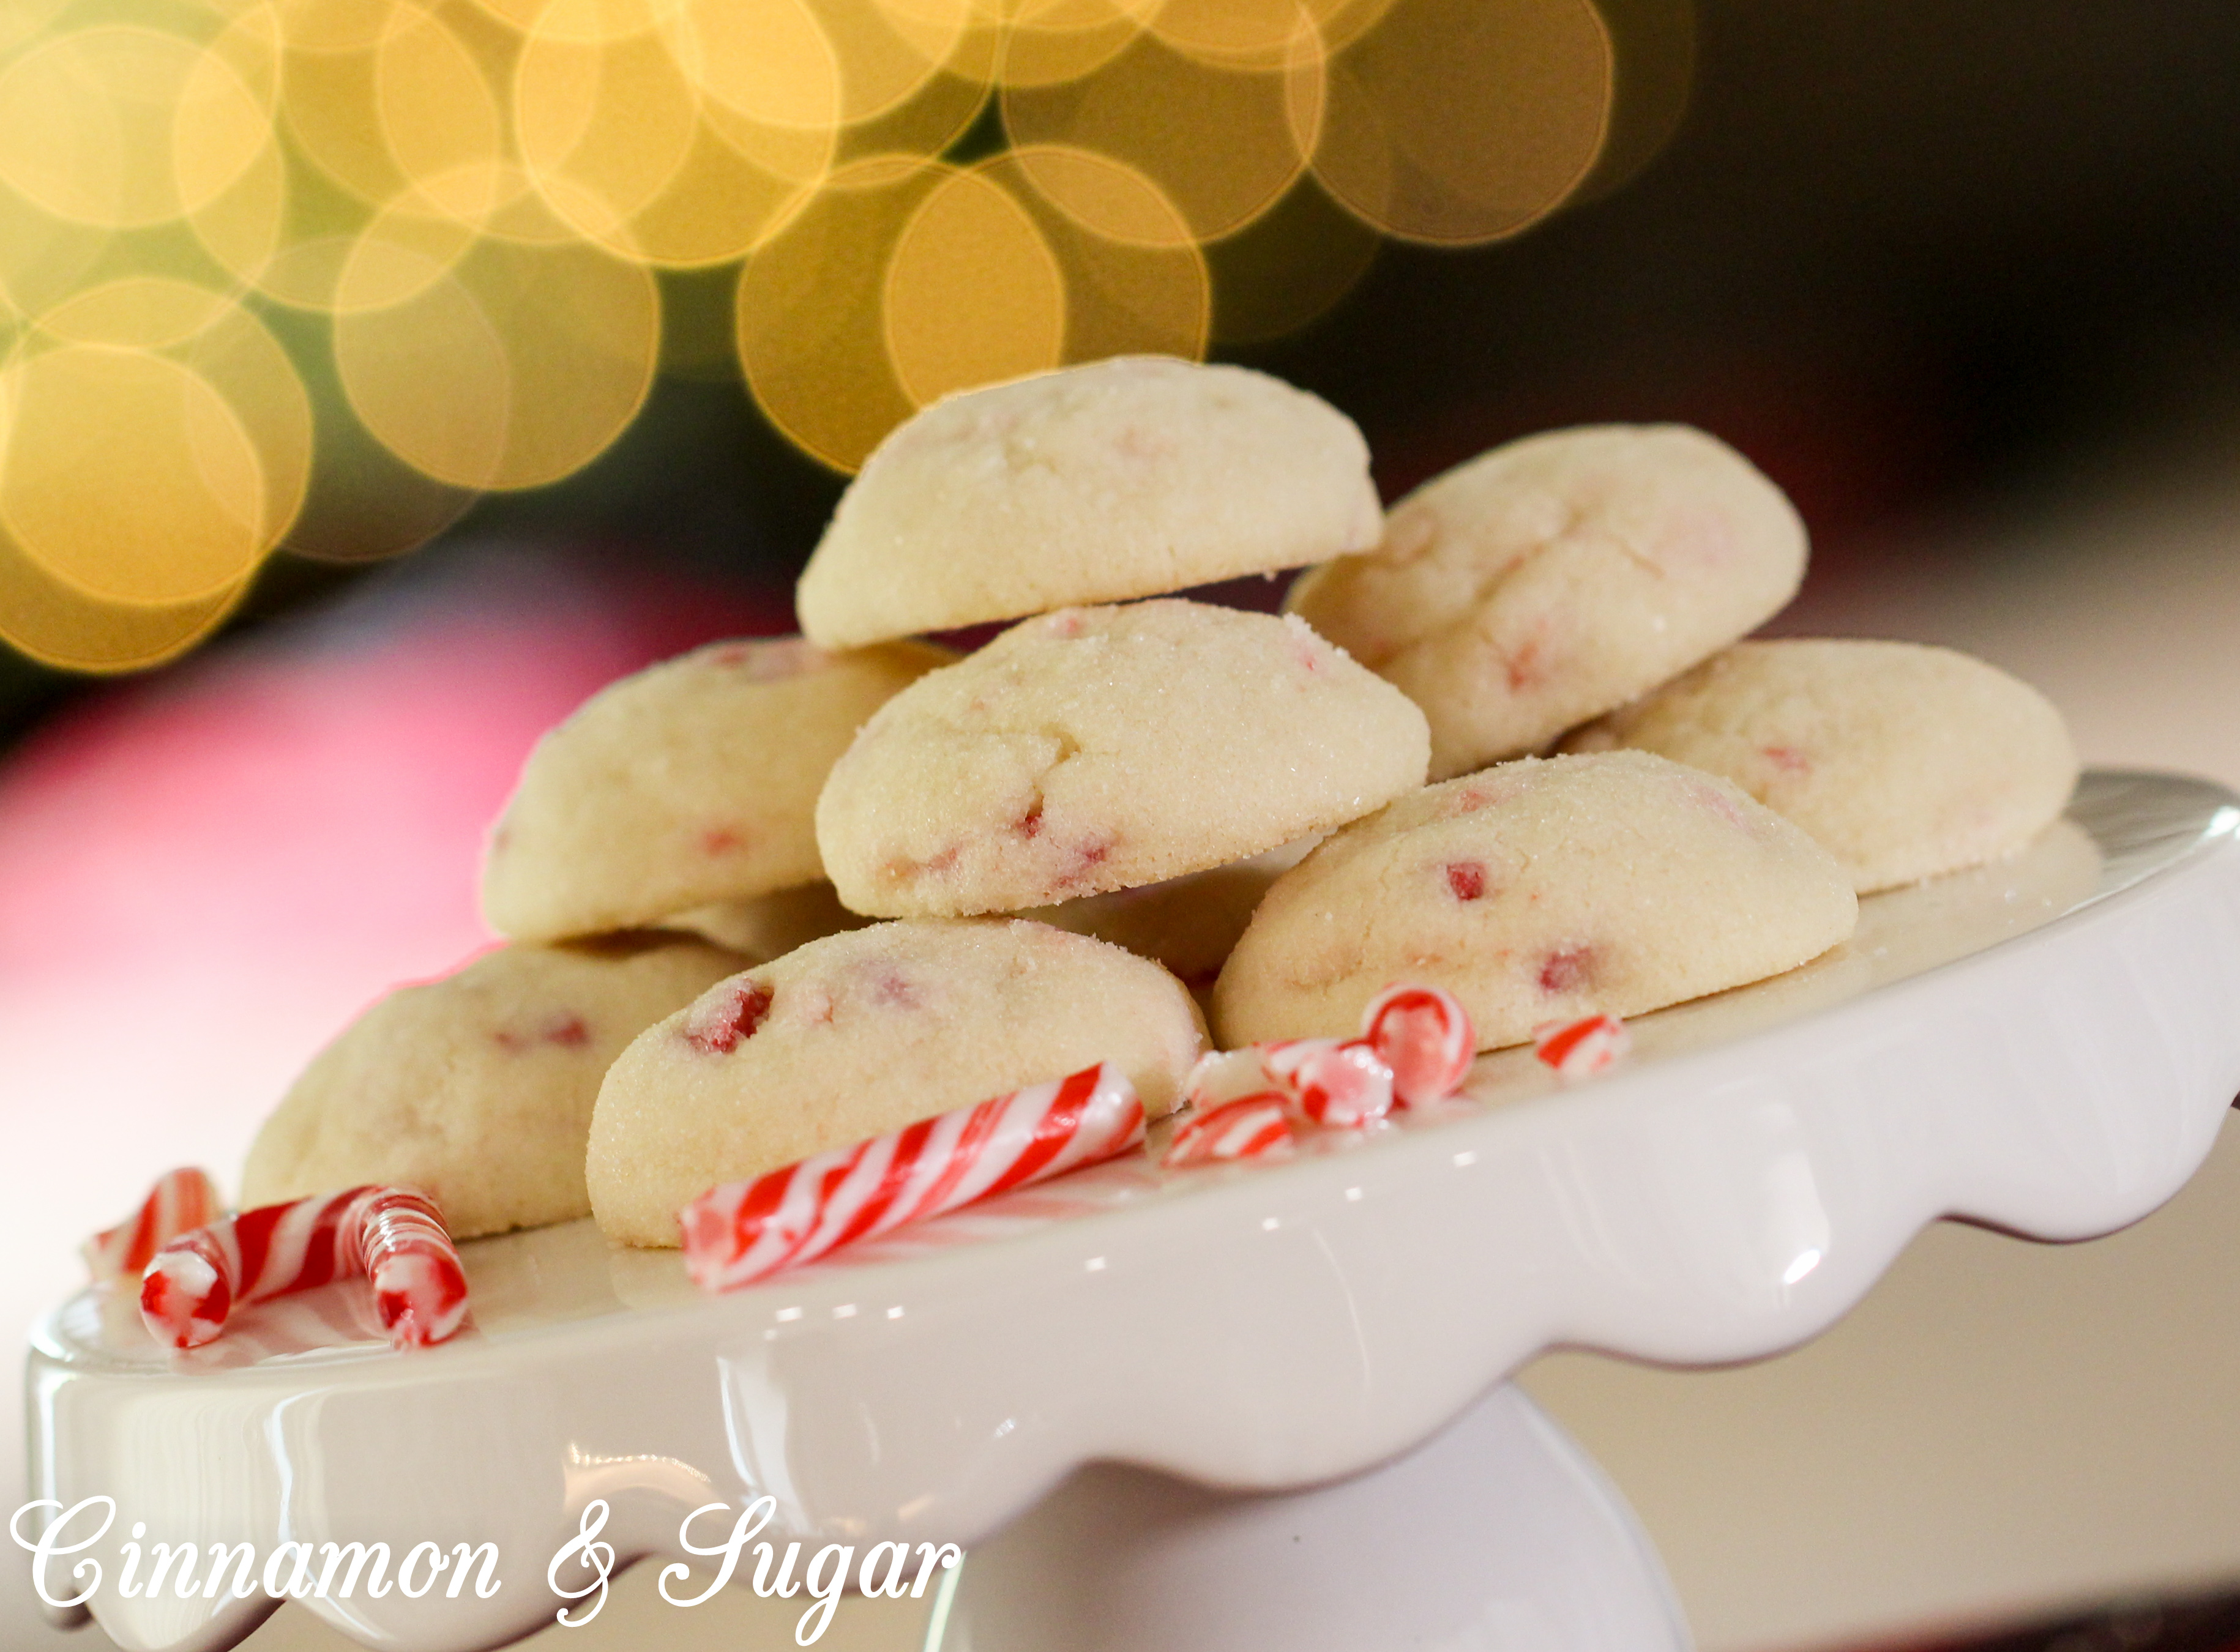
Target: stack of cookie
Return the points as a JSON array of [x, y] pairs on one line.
[[1119, 800]]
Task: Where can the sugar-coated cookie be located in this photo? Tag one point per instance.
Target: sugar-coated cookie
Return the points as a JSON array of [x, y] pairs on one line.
[[1549, 580], [1905, 761], [863, 1033], [1128, 477], [763, 927], [478, 1088], [1190, 924], [1099, 748], [1538, 891], [690, 784]]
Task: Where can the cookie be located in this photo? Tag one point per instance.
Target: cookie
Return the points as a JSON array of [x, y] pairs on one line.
[[478, 1088], [1540, 890], [863, 1033], [1100, 748], [1553, 579], [1128, 477], [1188, 925], [1905, 762], [690, 784], [763, 927]]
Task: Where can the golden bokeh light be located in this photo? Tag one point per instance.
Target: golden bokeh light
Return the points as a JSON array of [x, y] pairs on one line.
[[143, 313], [365, 502], [1136, 283], [1103, 196], [588, 22], [935, 280], [42, 258], [295, 235], [888, 49], [441, 121], [719, 202], [1046, 43], [223, 122], [1260, 34], [939, 112], [400, 252], [808, 321], [343, 26], [973, 293], [106, 125], [60, 625], [432, 379], [316, 275], [239, 357], [1222, 143], [24, 20], [84, 349], [1463, 121], [128, 475], [331, 112], [604, 128], [223, 346], [515, 366], [769, 62]]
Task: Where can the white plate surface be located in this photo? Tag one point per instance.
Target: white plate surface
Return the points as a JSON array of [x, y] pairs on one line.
[[2046, 1046]]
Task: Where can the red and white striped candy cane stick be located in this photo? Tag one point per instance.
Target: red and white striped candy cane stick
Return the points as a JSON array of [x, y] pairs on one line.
[[1341, 1083], [1425, 1036], [1582, 1048], [181, 1200], [394, 1235], [1252, 1126], [743, 1231]]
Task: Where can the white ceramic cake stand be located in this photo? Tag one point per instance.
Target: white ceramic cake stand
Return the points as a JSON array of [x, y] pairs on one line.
[[2046, 1046]]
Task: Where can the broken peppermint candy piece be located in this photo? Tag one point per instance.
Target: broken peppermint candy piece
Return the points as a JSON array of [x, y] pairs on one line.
[[1582, 1048], [1252, 1126], [1425, 1037]]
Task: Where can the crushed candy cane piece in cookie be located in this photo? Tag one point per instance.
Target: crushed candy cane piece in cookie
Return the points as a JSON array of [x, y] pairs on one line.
[[744, 1231], [180, 1201], [1582, 1048], [1251, 1127]]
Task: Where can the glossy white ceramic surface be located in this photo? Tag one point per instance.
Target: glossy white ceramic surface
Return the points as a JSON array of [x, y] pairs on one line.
[[2046, 1046], [1497, 1534]]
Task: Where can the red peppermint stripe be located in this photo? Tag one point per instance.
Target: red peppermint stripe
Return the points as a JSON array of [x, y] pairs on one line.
[[1579, 1048], [1055, 1124], [1425, 1035], [743, 1231], [894, 1183], [180, 1201], [1252, 1126]]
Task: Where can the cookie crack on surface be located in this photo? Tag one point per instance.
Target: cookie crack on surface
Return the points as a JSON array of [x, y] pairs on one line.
[[1625, 546]]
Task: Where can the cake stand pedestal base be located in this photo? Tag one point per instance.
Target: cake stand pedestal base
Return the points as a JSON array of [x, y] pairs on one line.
[[1497, 1534]]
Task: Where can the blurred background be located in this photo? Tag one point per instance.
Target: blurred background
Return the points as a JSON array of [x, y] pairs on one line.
[[379, 377]]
